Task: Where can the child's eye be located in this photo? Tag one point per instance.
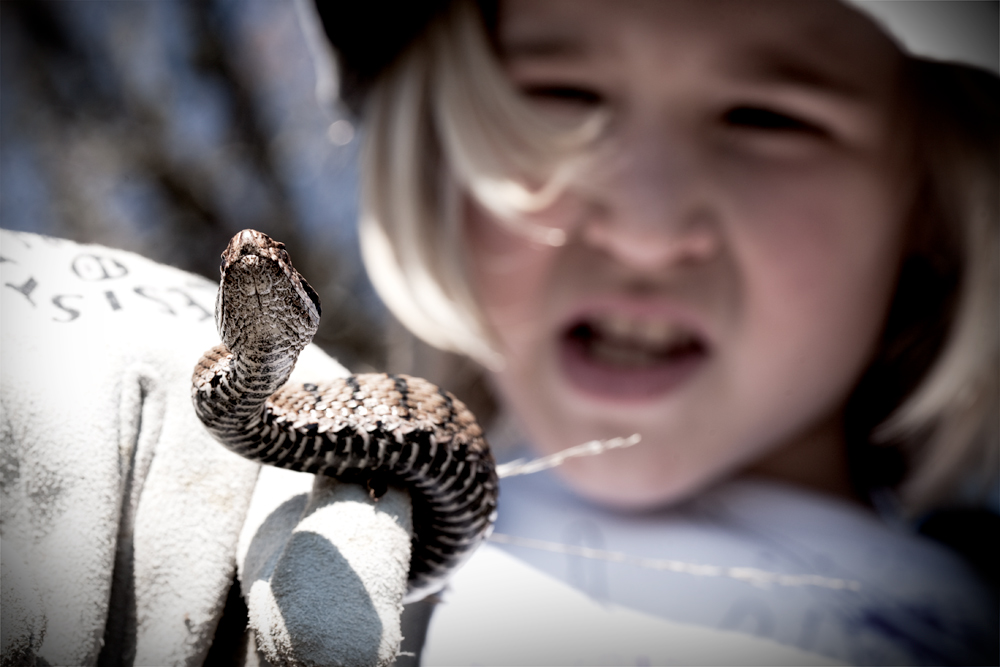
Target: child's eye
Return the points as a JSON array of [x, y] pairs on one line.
[[564, 94], [766, 119]]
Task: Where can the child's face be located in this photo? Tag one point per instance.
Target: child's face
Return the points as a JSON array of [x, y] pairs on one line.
[[731, 254]]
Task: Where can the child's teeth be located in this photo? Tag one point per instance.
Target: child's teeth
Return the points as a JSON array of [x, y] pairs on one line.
[[651, 333], [619, 327], [634, 343], [656, 333], [620, 355]]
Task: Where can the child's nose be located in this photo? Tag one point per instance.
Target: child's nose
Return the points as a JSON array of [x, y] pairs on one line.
[[650, 205]]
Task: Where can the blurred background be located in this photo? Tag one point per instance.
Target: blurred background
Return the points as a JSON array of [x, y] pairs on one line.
[[166, 127]]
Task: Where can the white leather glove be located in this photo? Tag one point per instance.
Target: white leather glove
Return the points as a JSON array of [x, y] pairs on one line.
[[120, 514]]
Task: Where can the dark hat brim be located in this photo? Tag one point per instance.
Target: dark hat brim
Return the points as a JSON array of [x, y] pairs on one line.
[[369, 35]]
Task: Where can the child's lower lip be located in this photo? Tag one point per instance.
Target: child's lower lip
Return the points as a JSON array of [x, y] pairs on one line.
[[624, 383]]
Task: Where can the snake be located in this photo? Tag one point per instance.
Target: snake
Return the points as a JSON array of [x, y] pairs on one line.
[[374, 429]]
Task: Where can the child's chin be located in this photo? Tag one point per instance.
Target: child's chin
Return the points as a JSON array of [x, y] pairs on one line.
[[627, 488]]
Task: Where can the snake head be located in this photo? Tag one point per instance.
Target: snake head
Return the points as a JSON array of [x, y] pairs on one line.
[[263, 302]]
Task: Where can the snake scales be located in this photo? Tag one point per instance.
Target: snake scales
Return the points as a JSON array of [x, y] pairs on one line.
[[374, 429]]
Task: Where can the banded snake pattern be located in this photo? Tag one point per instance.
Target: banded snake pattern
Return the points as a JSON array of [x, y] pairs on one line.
[[374, 429]]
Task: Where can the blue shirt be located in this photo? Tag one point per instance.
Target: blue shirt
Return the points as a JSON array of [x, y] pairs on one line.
[[745, 569]]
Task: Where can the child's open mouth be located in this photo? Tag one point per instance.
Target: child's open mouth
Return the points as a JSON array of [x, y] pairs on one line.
[[615, 356]]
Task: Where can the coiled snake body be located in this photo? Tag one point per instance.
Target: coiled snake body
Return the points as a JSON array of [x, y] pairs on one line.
[[374, 429]]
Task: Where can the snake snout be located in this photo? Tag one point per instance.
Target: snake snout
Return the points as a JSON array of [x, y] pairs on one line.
[[262, 281], [251, 275]]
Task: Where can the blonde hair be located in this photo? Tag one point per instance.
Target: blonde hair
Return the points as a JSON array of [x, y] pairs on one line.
[[443, 120], [446, 120], [949, 420]]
